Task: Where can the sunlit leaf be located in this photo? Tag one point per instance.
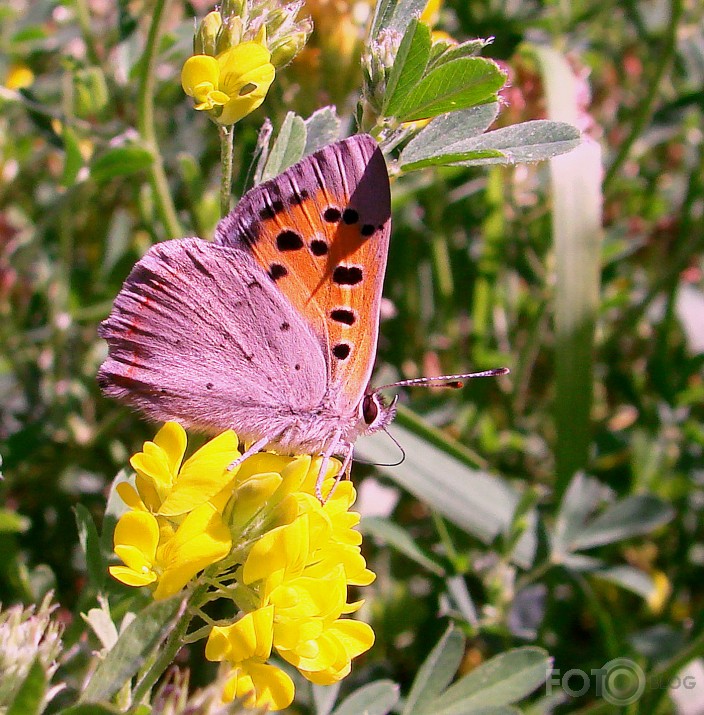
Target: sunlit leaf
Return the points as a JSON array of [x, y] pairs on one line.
[[456, 85]]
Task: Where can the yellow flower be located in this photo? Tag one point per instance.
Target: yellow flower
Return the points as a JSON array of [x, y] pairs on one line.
[[289, 572], [346, 639], [168, 488], [304, 569], [246, 644], [231, 85], [431, 14], [18, 76], [155, 554]]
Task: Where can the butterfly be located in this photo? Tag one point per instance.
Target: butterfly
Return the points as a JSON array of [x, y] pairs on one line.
[[271, 329]]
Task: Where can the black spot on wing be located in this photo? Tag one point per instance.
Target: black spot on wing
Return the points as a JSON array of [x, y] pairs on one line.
[[298, 196], [266, 213], [367, 230], [343, 315], [350, 216], [318, 247], [289, 241], [347, 275], [332, 214], [277, 271], [341, 351]]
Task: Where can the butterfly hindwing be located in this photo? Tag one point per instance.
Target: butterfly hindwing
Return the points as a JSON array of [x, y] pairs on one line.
[[198, 334], [321, 232]]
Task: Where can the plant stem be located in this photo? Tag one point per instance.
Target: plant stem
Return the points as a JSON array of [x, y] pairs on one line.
[[83, 17], [145, 123], [663, 61], [173, 644], [227, 135]]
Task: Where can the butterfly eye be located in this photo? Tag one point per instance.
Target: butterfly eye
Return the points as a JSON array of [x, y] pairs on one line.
[[370, 408]]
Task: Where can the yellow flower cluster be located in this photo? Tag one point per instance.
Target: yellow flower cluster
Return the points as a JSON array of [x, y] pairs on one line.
[[288, 572]]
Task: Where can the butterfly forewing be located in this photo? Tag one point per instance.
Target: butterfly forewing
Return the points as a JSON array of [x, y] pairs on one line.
[[321, 232]]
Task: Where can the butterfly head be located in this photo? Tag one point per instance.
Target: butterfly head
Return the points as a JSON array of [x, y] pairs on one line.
[[375, 413]]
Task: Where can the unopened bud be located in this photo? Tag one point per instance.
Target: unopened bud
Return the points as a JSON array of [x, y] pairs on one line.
[[230, 34], [205, 40], [233, 8], [283, 52]]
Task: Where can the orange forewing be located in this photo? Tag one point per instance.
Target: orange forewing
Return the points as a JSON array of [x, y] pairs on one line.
[[321, 231]]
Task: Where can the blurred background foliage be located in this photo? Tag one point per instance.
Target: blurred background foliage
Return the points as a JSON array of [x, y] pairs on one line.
[[474, 281]]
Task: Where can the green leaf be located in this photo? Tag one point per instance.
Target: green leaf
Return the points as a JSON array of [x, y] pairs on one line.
[[393, 535], [437, 671], [134, 646], [122, 161], [324, 697], [485, 156], [477, 502], [92, 709], [630, 578], [373, 699], [579, 501], [629, 517], [29, 698], [501, 681], [73, 159], [90, 543], [526, 142], [448, 133], [288, 147], [456, 85], [409, 65], [395, 15], [470, 48], [322, 128]]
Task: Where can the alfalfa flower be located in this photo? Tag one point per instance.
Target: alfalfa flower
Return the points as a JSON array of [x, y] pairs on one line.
[[28, 636], [231, 85]]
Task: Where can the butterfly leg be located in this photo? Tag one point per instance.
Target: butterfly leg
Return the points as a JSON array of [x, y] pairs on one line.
[[253, 449], [329, 451]]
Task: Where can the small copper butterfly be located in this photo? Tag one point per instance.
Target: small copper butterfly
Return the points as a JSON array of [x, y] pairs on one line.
[[270, 330]]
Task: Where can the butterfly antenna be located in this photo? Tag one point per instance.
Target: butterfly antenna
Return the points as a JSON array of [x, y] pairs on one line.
[[386, 464], [452, 381]]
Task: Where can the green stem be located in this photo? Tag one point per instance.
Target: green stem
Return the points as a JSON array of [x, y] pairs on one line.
[[663, 62], [227, 135], [83, 17], [145, 123], [173, 644]]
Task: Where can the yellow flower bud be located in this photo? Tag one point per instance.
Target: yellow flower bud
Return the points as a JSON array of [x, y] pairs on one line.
[[204, 42]]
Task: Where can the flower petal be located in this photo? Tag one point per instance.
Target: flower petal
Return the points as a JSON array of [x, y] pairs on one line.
[[251, 636], [172, 439], [203, 476], [138, 529], [131, 577], [199, 69], [283, 548]]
